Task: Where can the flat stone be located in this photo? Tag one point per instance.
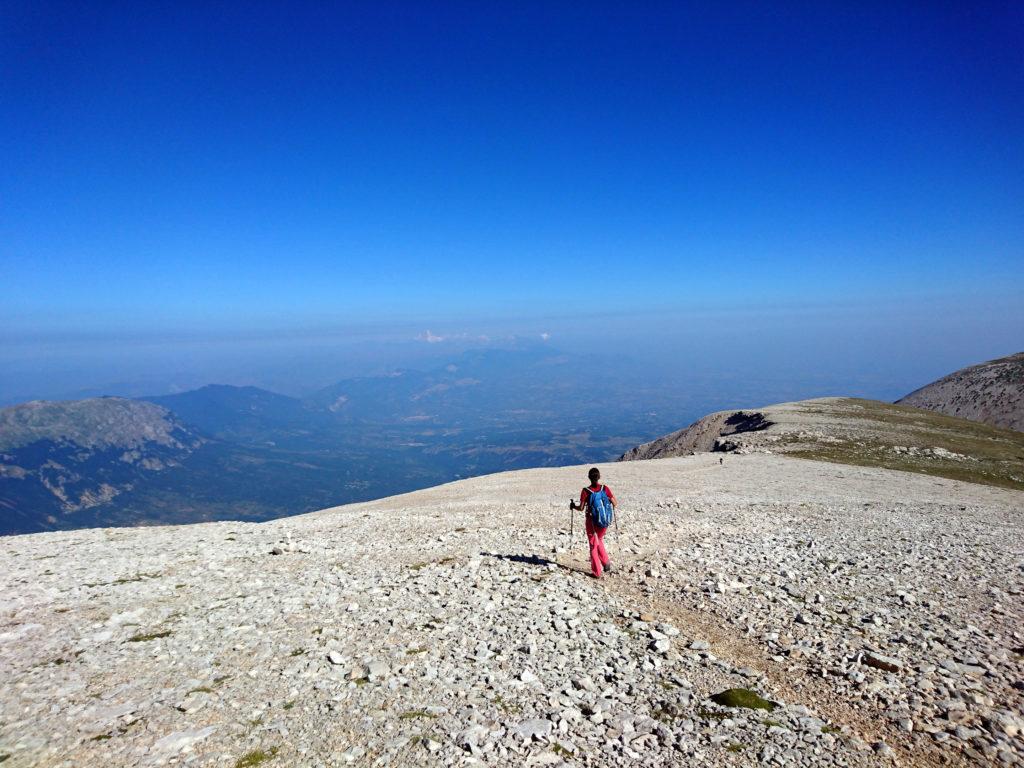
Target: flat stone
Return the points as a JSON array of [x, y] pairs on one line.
[[528, 677], [352, 754], [534, 729], [175, 742], [661, 646], [884, 663]]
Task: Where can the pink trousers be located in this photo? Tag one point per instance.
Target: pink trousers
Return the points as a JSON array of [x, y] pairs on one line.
[[598, 555]]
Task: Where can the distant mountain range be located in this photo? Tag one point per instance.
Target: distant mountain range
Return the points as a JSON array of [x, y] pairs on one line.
[[226, 452], [992, 393], [243, 453], [61, 461]]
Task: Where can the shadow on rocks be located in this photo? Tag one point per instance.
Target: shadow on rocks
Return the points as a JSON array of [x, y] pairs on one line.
[[537, 560]]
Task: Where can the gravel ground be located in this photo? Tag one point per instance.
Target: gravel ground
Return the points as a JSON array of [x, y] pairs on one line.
[[876, 614]]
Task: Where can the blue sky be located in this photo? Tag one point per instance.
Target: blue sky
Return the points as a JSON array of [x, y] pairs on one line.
[[256, 167]]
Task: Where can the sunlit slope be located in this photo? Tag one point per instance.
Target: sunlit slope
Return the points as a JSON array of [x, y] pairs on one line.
[[860, 432]]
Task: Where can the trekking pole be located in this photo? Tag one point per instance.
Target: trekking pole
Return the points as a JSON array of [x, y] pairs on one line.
[[618, 541]]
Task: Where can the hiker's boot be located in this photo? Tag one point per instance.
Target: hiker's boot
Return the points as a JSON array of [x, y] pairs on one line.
[[607, 567]]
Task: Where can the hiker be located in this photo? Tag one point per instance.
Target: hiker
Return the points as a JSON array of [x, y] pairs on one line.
[[595, 499]]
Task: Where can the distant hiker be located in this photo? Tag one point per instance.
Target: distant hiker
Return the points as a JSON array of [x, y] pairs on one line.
[[720, 460], [599, 503]]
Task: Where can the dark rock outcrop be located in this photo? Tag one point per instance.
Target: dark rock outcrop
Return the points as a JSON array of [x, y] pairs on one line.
[[706, 434]]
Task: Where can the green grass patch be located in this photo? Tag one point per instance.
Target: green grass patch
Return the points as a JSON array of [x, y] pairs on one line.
[[288, 705], [256, 757], [415, 714], [995, 455], [508, 707], [361, 681], [101, 737], [201, 689], [830, 729], [414, 651], [711, 714], [135, 578], [146, 637], [743, 698], [297, 652], [736, 747], [663, 715]]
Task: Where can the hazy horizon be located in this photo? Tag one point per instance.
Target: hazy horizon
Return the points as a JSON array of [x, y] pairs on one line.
[[881, 351]]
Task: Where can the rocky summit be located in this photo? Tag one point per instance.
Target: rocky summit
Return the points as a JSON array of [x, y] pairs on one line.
[[763, 610], [991, 392]]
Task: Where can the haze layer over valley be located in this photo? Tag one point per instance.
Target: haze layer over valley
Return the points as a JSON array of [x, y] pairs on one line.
[[251, 454], [225, 452]]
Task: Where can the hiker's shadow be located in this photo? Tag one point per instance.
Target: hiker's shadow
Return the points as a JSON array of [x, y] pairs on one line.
[[531, 560]]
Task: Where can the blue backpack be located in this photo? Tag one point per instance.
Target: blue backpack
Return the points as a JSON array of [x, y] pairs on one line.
[[600, 508]]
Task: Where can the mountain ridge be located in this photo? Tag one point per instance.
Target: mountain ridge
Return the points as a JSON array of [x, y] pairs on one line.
[[991, 392], [60, 460], [94, 422], [264, 454], [855, 431]]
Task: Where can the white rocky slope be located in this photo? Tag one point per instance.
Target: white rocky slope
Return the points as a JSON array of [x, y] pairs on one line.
[[880, 609]]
